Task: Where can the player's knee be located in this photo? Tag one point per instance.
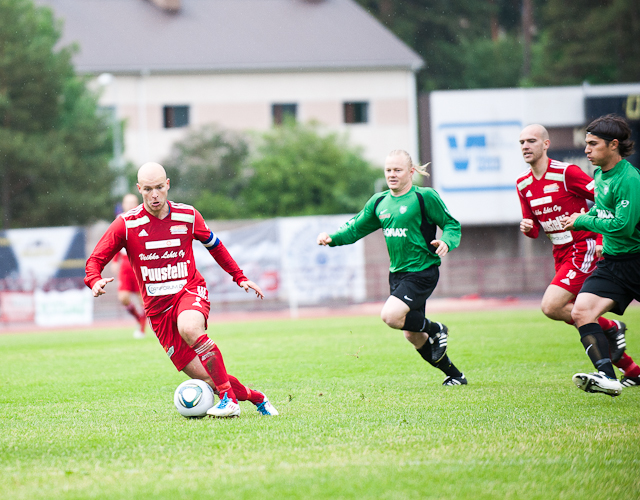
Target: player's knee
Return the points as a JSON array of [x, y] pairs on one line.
[[392, 319], [550, 309]]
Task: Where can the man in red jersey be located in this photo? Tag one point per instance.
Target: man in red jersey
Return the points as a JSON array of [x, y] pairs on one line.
[[157, 236], [127, 284], [549, 191]]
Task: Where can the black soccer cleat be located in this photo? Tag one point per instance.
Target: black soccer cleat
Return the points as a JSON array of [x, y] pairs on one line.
[[439, 344], [617, 340], [630, 382]]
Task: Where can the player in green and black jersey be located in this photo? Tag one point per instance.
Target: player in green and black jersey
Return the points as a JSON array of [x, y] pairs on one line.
[[408, 216], [616, 280]]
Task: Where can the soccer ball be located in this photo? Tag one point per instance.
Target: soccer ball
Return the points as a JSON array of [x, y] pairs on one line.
[[193, 398]]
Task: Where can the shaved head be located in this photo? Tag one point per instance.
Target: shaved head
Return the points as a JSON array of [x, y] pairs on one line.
[[534, 143], [537, 130], [153, 185], [151, 171]]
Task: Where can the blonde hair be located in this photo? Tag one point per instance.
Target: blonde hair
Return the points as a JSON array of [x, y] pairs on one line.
[[421, 169]]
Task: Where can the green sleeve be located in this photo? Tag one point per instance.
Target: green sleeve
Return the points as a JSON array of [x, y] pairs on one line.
[[439, 214], [627, 213], [366, 222]]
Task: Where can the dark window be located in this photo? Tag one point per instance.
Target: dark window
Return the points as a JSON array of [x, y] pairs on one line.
[[282, 112], [356, 112], [176, 116]]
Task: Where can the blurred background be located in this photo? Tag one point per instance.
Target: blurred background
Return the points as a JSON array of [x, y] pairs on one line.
[[274, 117]]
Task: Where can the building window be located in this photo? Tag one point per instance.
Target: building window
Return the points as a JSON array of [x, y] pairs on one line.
[[176, 116], [356, 112], [283, 112]]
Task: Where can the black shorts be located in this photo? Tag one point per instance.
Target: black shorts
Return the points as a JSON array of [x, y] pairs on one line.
[[617, 277], [414, 288]]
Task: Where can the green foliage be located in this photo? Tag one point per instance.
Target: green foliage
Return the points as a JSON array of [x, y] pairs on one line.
[[298, 170], [470, 44], [295, 170], [361, 416], [208, 168], [54, 146], [595, 41]]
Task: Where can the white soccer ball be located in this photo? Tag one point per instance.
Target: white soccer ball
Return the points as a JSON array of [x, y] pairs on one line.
[[193, 398]]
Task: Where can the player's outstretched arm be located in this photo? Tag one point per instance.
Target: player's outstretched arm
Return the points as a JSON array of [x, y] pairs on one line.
[[442, 248], [99, 286], [250, 284], [324, 239]]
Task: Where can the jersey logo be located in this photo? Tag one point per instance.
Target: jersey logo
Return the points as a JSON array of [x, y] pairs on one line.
[[151, 245], [528, 195], [385, 216], [170, 351], [143, 233], [551, 188], [400, 232], [197, 302], [541, 201], [606, 189], [182, 229], [403, 209], [566, 281]]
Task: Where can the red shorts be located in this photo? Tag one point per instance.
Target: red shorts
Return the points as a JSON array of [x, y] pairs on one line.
[[126, 277], [165, 326], [574, 265]]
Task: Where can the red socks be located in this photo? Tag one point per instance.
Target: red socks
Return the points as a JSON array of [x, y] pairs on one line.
[[628, 365], [211, 359], [606, 324], [139, 315], [244, 393]]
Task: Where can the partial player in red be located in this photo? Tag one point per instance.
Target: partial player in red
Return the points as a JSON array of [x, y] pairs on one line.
[[127, 284], [548, 191], [158, 236]]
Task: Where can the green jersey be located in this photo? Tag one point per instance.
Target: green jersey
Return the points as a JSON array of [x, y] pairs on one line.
[[408, 223], [616, 212]]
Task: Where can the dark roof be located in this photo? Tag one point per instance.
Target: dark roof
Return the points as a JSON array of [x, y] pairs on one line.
[[126, 36]]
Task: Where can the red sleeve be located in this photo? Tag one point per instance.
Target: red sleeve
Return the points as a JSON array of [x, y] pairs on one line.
[[110, 244], [579, 183], [226, 262], [201, 232], [528, 214]]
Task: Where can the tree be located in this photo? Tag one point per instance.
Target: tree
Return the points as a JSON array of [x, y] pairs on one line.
[[300, 171], [208, 168], [592, 40], [54, 145]]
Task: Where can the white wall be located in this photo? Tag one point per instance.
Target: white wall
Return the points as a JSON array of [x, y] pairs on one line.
[[243, 101]]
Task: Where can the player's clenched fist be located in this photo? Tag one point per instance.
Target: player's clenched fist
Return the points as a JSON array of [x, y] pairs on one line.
[[526, 225], [324, 239]]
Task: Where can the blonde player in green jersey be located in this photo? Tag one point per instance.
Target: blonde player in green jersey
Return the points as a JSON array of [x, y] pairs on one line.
[[408, 216], [616, 215]]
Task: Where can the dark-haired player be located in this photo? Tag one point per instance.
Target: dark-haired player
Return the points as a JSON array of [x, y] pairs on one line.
[[548, 191], [158, 237], [408, 216], [615, 215]]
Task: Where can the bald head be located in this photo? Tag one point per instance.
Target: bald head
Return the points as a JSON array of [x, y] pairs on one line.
[[534, 142], [129, 201], [151, 172], [537, 130], [153, 185]]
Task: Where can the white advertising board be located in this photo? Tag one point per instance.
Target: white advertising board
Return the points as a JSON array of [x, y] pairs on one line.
[[475, 148]]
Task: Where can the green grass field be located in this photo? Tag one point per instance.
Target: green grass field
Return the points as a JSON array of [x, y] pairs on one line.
[[89, 414]]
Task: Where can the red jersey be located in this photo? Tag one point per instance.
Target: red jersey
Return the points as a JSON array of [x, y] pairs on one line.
[[563, 190], [161, 254]]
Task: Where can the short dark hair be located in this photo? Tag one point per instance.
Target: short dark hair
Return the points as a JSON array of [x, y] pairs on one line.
[[610, 127]]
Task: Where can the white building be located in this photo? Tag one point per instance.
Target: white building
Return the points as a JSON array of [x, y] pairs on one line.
[[244, 64]]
